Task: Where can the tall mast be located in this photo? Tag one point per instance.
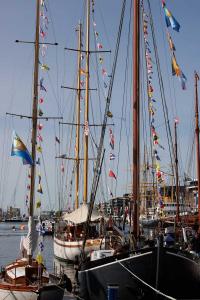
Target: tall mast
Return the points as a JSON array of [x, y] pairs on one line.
[[197, 140], [136, 117], [34, 117], [85, 192], [78, 120], [176, 172]]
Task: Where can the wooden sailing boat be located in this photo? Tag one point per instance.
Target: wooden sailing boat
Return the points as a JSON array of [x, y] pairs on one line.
[[152, 273], [68, 239], [27, 278]]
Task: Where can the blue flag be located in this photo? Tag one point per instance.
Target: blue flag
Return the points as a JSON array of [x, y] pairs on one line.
[[183, 80], [19, 149], [170, 20]]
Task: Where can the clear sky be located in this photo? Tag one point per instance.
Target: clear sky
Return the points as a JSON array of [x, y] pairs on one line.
[[17, 21]]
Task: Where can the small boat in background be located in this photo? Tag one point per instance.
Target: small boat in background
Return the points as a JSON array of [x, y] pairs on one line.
[[48, 227]]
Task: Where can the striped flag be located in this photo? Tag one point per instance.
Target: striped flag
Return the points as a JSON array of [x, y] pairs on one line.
[[112, 156], [112, 141], [86, 129]]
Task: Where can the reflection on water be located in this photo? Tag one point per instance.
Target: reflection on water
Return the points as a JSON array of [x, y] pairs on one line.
[[67, 268]]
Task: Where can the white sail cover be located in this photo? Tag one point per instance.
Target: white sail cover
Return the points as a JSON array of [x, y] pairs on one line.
[[29, 242], [79, 215]]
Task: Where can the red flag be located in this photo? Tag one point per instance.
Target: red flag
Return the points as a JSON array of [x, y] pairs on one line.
[[112, 174], [40, 126], [104, 73], [40, 138], [41, 100], [163, 3], [99, 46]]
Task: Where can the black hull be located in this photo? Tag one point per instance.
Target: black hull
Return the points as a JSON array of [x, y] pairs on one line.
[[178, 276], [51, 292]]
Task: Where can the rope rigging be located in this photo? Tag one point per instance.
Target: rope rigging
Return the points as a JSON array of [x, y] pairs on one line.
[[162, 91], [124, 98], [100, 153]]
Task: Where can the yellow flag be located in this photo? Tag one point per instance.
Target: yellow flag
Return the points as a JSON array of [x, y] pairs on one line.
[[157, 166], [109, 114], [39, 149], [175, 67], [39, 258], [38, 204], [45, 67], [82, 72], [39, 190]]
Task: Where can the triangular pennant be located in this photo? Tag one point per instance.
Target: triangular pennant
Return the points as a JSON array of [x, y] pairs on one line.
[[112, 174]]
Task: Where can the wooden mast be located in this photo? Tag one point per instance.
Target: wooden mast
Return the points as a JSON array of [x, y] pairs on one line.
[[136, 116], [34, 118], [176, 172], [85, 192], [78, 120], [197, 140]]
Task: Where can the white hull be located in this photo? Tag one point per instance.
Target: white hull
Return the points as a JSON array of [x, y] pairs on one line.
[[17, 295], [70, 250]]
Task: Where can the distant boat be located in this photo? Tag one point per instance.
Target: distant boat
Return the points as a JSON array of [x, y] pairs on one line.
[[48, 227], [13, 219]]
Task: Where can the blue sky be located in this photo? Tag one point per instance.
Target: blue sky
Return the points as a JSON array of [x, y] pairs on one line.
[[17, 19]]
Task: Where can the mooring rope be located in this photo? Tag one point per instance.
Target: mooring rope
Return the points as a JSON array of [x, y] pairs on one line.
[[146, 284]]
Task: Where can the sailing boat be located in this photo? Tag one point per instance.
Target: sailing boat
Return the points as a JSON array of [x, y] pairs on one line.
[[69, 234], [153, 273], [27, 278]]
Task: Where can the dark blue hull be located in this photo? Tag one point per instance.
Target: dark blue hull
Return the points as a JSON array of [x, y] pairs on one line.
[[149, 275]]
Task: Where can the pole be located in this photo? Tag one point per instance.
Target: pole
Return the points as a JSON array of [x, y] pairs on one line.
[[85, 195], [197, 141], [136, 118], [34, 118], [78, 121], [176, 172]]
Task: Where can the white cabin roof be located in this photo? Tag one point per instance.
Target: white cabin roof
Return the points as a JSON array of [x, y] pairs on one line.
[[79, 215], [16, 272]]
